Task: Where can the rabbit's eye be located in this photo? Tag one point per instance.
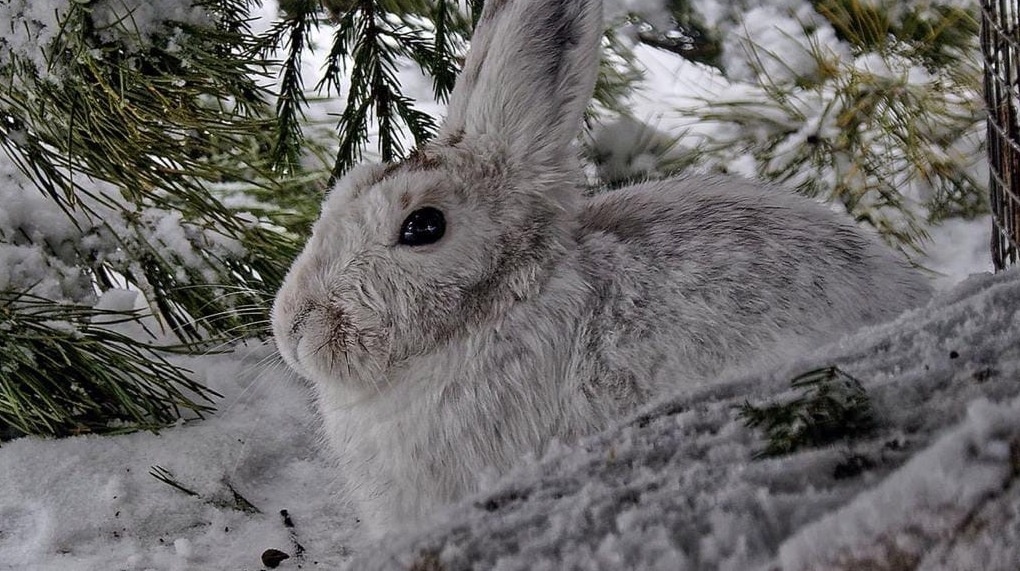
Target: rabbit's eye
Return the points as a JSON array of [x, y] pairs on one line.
[[423, 226]]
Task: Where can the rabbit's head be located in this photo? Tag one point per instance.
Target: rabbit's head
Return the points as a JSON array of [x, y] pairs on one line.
[[410, 255]]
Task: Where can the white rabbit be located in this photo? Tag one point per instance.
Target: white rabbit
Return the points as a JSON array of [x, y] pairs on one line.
[[461, 309]]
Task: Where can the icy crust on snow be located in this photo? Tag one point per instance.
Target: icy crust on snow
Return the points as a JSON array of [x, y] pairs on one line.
[[675, 487], [930, 500]]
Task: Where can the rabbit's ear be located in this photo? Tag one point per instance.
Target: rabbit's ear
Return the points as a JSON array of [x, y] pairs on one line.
[[529, 74]]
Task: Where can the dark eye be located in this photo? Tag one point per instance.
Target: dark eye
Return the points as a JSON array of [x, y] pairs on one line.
[[423, 226]]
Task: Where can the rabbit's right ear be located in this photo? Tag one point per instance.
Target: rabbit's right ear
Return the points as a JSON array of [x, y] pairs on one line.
[[529, 75]]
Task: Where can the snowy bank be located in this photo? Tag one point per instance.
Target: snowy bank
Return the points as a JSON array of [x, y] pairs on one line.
[[935, 485], [92, 503]]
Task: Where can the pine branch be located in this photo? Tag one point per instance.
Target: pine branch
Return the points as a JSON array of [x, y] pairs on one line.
[[476, 10], [441, 59], [291, 33], [371, 43], [122, 125], [65, 370], [832, 406], [895, 147], [372, 39]]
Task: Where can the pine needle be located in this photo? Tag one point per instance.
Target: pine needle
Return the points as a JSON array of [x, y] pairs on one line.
[[832, 406], [64, 370]]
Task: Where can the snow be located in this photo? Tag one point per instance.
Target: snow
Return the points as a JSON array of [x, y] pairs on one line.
[[959, 248], [926, 500], [652, 10], [40, 245], [771, 41], [674, 486], [90, 502]]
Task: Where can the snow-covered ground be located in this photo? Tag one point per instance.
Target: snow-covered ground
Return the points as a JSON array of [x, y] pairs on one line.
[[936, 486], [673, 486]]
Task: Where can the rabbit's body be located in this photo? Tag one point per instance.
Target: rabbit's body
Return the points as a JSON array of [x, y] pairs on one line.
[[444, 347]]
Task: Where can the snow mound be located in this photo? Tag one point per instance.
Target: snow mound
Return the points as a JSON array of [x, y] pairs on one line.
[[936, 486]]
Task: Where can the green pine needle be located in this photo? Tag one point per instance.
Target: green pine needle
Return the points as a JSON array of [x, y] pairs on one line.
[[64, 371], [897, 148], [832, 406]]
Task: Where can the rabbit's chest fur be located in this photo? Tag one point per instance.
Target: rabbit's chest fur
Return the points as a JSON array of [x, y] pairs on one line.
[[477, 404]]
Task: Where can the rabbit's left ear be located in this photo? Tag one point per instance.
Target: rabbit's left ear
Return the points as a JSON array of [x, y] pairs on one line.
[[529, 75]]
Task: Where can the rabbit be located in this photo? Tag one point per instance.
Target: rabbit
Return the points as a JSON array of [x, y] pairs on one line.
[[465, 307]]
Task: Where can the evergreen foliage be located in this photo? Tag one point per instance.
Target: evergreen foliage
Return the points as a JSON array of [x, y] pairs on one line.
[[371, 37], [64, 370], [123, 126], [687, 34], [875, 105], [831, 406], [145, 132]]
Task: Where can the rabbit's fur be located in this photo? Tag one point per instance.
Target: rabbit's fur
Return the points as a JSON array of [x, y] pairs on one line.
[[543, 314]]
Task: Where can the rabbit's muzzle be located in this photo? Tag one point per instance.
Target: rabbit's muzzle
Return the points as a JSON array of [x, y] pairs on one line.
[[325, 339]]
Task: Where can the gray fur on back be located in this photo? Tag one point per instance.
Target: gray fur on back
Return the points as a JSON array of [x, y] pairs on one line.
[[762, 273]]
